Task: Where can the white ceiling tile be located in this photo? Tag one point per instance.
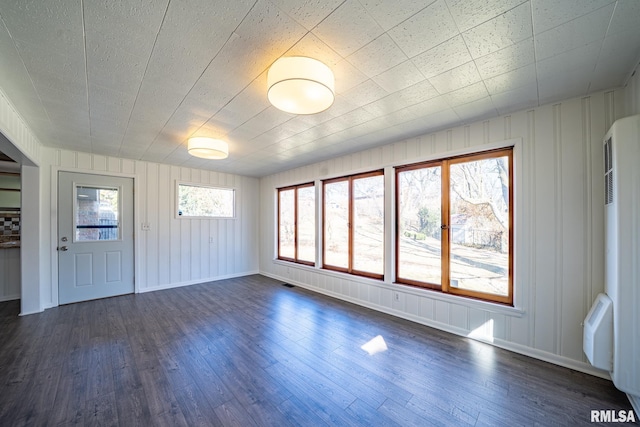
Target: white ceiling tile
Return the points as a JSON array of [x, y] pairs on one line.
[[62, 99], [122, 25], [399, 77], [477, 110], [579, 32], [513, 79], [517, 99], [457, 78], [404, 98], [131, 152], [115, 69], [467, 94], [507, 59], [580, 60], [50, 70], [389, 14], [248, 103], [443, 57], [55, 27], [625, 18], [378, 56], [308, 13], [500, 32], [548, 14], [429, 107], [313, 47], [347, 76], [348, 29], [365, 93], [425, 30], [552, 89], [470, 13]]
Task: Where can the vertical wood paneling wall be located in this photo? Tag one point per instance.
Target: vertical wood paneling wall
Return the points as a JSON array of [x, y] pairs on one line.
[[175, 251], [15, 129], [559, 229]]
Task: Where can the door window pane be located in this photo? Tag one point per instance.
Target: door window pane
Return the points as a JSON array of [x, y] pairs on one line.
[[479, 225], [368, 224], [419, 233], [336, 224], [286, 229], [306, 224], [97, 214]]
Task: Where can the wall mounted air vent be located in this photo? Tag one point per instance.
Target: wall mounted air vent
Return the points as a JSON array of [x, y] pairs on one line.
[[608, 172]]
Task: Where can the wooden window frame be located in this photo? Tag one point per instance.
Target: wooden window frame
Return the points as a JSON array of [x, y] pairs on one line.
[[295, 189], [445, 164], [349, 269]]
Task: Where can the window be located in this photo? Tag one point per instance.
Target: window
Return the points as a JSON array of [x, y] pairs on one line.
[[454, 225], [353, 224], [197, 201], [297, 224], [96, 214]]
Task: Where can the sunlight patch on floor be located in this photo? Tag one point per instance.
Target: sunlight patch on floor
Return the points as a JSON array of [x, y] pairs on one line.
[[375, 345]]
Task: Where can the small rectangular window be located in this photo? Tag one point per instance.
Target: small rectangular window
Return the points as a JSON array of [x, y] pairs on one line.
[[197, 201]]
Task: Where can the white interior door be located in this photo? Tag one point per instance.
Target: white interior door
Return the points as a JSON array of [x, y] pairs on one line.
[[95, 236]]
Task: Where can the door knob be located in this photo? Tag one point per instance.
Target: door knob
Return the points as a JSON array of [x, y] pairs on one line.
[[63, 248]]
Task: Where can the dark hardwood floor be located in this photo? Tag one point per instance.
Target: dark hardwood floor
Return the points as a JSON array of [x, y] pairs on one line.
[[251, 352]]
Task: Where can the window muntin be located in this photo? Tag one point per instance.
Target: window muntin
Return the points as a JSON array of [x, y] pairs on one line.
[[201, 201], [476, 216], [353, 224], [297, 224]]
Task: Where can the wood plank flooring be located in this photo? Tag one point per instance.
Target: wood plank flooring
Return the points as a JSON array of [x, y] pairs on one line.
[[251, 352]]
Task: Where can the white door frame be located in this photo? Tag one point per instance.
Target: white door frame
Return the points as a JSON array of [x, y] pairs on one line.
[[54, 225]]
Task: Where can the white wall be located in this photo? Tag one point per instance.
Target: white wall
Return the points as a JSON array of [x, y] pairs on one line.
[[174, 252], [559, 229]]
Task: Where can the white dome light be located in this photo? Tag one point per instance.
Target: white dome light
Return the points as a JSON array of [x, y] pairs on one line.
[[300, 85], [208, 148]]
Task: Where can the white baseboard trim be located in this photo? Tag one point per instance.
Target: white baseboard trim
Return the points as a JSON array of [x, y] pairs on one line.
[[27, 313], [196, 282], [507, 345], [4, 298]]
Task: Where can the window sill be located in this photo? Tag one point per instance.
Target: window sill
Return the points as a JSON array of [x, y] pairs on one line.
[[411, 290]]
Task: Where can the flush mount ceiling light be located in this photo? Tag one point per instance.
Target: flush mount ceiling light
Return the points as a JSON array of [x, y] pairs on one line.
[[300, 85], [208, 148]]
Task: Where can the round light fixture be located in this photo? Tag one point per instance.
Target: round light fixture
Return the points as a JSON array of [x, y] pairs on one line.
[[300, 85], [208, 148]]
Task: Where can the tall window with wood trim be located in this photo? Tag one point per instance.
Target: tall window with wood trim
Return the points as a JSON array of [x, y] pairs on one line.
[[297, 223], [454, 225], [353, 224]]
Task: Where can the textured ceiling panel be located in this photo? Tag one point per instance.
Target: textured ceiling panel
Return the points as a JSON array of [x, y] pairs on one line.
[[137, 78]]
